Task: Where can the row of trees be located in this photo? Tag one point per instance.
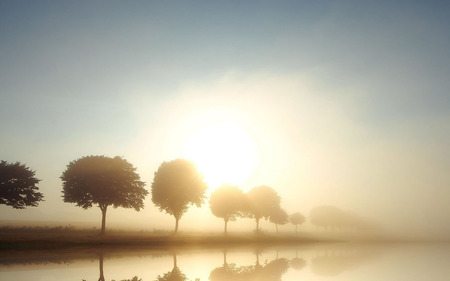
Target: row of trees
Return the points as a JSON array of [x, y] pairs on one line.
[[262, 202], [103, 181], [331, 218]]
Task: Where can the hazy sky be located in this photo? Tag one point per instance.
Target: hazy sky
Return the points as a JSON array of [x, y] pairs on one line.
[[346, 102]]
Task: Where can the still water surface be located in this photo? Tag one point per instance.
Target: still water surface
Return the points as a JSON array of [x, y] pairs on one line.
[[342, 261]]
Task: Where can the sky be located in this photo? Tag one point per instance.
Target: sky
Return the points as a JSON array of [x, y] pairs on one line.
[[340, 103]]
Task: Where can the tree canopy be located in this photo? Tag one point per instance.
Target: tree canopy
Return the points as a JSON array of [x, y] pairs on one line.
[[18, 186], [177, 185], [103, 181], [297, 219], [227, 202], [279, 217], [262, 201]]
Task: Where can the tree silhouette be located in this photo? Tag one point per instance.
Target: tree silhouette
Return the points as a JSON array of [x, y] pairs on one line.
[[279, 217], [176, 185], [296, 219], [261, 202], [18, 186], [227, 202], [103, 181]]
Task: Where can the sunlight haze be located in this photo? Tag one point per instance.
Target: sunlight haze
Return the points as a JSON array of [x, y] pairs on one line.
[[329, 103]]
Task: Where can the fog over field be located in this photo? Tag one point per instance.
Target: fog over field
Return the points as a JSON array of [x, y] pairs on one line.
[[329, 103]]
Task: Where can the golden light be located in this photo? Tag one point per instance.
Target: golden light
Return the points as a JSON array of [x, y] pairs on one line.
[[224, 153]]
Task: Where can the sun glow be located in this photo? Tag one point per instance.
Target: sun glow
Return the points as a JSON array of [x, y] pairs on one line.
[[224, 153]]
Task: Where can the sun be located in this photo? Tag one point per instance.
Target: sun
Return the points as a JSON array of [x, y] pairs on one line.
[[223, 152]]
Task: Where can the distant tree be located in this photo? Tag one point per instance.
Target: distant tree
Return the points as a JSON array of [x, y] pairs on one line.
[[176, 185], [103, 181], [261, 202], [18, 186], [296, 219], [227, 202], [326, 216], [279, 217], [335, 218]]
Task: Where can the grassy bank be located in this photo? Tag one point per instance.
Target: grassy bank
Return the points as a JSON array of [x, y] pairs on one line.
[[58, 237]]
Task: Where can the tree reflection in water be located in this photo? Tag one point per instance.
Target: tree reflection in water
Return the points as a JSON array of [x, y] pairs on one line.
[[174, 275], [297, 263], [269, 272], [102, 276]]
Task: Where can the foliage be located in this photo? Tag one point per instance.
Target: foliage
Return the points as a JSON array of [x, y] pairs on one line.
[[262, 201], [279, 217], [103, 181], [227, 202], [296, 219], [18, 186], [176, 185]]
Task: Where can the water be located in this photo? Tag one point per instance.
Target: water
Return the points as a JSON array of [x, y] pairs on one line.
[[342, 261]]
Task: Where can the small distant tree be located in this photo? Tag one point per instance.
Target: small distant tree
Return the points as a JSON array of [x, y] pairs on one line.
[[18, 186], [261, 202], [279, 217], [176, 185], [227, 202], [103, 181], [296, 219]]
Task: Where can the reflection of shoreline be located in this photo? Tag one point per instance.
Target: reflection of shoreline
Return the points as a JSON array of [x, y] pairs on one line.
[[266, 263]]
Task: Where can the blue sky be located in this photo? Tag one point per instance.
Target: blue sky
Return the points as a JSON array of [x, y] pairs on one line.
[[340, 86]]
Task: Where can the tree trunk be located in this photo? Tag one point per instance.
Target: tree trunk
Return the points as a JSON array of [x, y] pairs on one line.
[[276, 226], [295, 228], [257, 225], [100, 263], [176, 224], [225, 229], [102, 232], [175, 261]]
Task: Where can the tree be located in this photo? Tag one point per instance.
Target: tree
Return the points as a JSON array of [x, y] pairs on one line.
[[103, 181], [296, 219], [18, 186], [328, 216], [227, 202], [176, 185], [279, 217], [261, 202]]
